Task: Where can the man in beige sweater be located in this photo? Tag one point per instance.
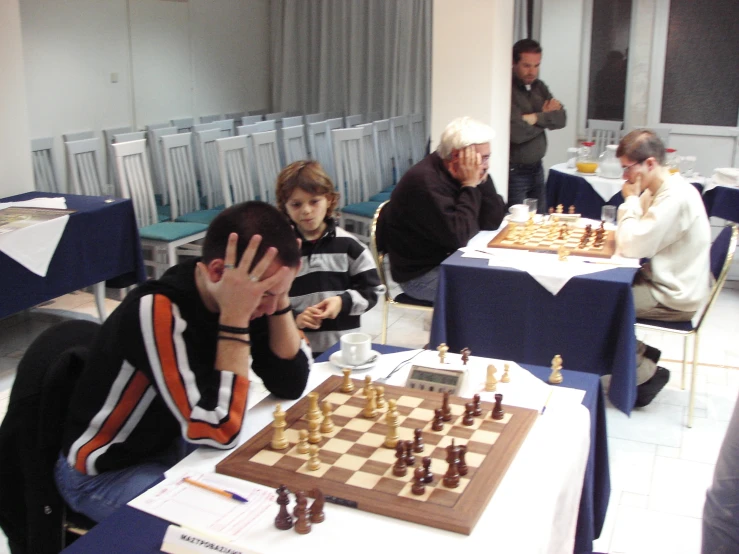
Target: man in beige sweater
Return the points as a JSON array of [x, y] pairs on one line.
[[663, 220]]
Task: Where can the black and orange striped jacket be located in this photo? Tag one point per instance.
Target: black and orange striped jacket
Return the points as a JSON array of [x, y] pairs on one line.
[[150, 379]]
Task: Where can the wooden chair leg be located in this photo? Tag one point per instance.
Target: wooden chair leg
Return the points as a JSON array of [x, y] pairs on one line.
[[385, 309]]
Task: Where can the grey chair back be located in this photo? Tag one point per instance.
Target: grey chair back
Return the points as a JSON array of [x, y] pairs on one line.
[[179, 170], [234, 169], [44, 174], [84, 160]]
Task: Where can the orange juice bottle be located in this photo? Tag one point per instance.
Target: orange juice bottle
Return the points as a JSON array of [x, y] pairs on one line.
[[586, 162], [672, 160]]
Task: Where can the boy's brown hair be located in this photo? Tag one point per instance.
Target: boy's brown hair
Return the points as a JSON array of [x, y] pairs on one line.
[[307, 175]]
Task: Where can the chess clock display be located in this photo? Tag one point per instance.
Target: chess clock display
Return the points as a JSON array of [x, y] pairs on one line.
[[434, 379]]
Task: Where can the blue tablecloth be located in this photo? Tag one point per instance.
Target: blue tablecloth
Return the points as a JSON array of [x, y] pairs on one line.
[[129, 530], [573, 190], [504, 313], [722, 202], [100, 243]]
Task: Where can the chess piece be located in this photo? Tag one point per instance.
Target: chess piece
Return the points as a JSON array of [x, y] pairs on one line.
[[465, 355], [284, 520], [314, 462], [418, 445], [550, 211], [327, 425], [443, 349], [400, 468], [314, 433], [462, 465], [438, 423], [370, 408], [279, 442], [469, 410], [367, 385], [491, 381], [410, 459], [428, 477], [347, 385], [498, 411], [560, 209], [562, 253], [446, 410], [303, 524], [391, 419], [477, 412], [314, 412], [506, 378], [571, 210], [418, 486], [380, 397], [316, 509], [556, 377], [302, 447], [451, 477]]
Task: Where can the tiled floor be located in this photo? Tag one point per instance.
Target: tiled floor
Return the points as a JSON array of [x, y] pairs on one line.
[[659, 468]]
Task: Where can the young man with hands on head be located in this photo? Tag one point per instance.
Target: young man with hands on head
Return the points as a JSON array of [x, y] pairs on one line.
[[170, 368], [663, 221]]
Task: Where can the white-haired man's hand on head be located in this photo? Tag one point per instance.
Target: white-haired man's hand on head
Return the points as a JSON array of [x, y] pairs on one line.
[[466, 166]]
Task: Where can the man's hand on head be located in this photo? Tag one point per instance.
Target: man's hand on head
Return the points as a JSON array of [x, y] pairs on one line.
[[466, 166], [530, 118], [632, 189]]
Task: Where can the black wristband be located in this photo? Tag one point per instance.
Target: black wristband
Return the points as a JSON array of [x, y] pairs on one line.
[[283, 311], [234, 330], [222, 337]]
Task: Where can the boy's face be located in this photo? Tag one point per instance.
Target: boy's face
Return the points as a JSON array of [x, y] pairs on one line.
[[308, 212]]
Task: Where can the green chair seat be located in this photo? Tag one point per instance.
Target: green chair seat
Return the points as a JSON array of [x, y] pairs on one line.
[[201, 216], [171, 230], [380, 197], [363, 209]]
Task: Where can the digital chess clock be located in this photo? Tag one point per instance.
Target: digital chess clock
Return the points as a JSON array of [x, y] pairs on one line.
[[435, 379]]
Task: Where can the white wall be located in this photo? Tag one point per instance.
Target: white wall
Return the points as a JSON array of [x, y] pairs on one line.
[[471, 72], [16, 172], [561, 41], [181, 59]]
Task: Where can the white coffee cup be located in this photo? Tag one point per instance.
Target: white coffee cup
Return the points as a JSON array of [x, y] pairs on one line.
[[356, 348], [519, 212]]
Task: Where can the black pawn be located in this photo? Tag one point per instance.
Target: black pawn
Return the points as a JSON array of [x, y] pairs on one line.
[[446, 410], [418, 486], [469, 410], [400, 468], [418, 441], [438, 424], [478, 408], [410, 459], [462, 465], [303, 524], [498, 409], [284, 520], [428, 477]]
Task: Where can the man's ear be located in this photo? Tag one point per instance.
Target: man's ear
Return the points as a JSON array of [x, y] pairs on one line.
[[213, 270]]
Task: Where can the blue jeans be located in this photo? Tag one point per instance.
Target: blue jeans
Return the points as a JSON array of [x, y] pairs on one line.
[[423, 287], [98, 496], [527, 182]]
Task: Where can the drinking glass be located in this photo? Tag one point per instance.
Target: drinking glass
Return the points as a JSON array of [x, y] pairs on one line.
[[531, 203], [608, 214], [687, 166]]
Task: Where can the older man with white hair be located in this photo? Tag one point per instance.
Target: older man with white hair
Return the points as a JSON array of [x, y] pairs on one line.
[[438, 205]]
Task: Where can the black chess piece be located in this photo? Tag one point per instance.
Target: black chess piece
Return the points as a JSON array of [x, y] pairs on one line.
[[316, 509], [400, 468], [418, 486], [478, 408], [303, 524], [284, 520], [438, 423], [498, 411], [446, 410], [469, 410], [451, 477], [418, 445], [462, 465], [410, 459], [428, 477]]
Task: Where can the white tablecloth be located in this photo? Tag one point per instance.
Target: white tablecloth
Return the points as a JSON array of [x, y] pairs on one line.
[[534, 509]]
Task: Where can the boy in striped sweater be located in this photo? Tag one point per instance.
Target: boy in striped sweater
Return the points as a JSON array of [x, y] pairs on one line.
[[338, 279]]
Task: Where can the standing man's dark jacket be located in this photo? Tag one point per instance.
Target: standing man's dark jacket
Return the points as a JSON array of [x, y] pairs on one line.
[[430, 215], [529, 142]]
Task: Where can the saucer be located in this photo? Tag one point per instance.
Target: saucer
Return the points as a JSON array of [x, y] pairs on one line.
[[586, 174], [510, 219], [338, 361]]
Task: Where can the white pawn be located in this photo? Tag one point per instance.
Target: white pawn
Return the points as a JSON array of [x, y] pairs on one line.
[[556, 377], [370, 409], [302, 441], [505, 378], [314, 462], [327, 425]]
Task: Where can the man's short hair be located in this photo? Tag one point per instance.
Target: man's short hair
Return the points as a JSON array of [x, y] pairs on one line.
[[525, 46], [641, 144], [461, 133], [309, 176], [249, 219]]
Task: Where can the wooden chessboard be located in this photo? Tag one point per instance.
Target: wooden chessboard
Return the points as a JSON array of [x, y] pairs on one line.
[[356, 469], [544, 237]]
